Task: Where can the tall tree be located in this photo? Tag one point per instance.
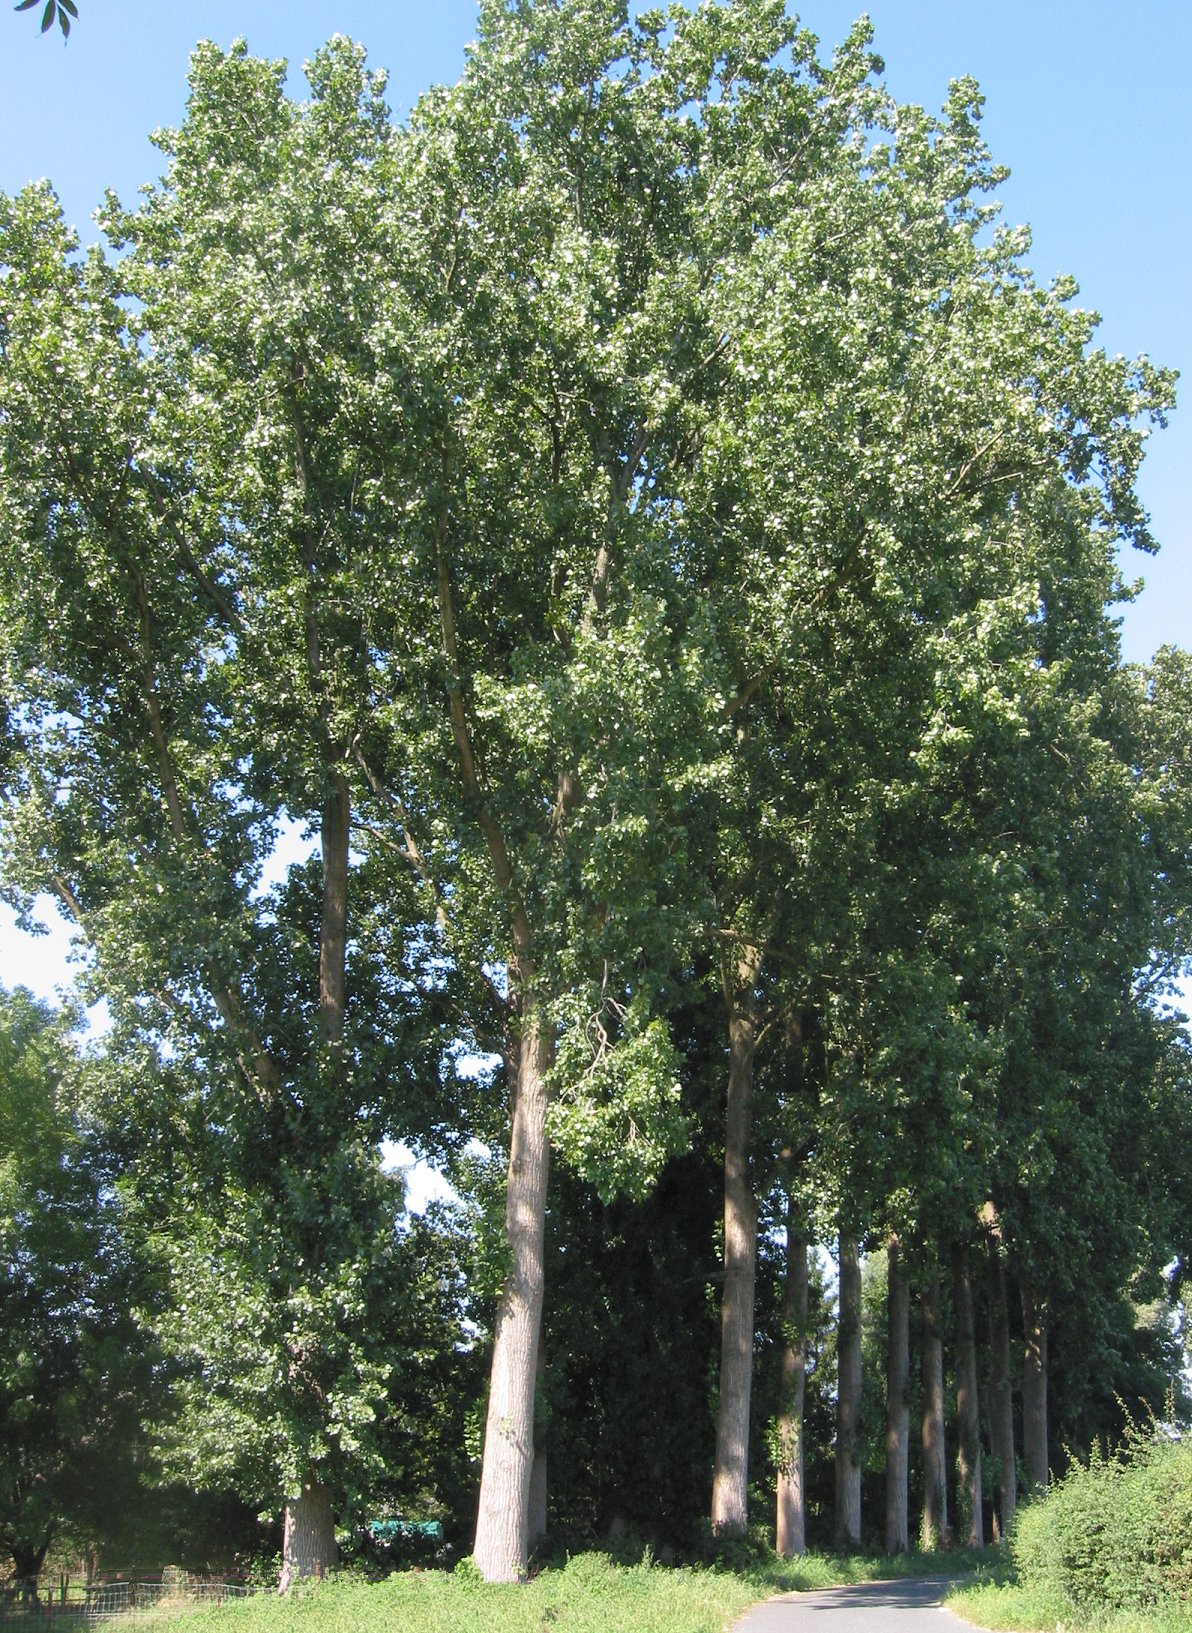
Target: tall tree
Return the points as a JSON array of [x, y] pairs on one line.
[[195, 669]]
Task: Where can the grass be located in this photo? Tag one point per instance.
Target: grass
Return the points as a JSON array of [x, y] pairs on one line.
[[589, 1594], [1007, 1606]]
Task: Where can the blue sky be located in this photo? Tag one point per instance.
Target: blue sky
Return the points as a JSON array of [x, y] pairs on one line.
[[1086, 101]]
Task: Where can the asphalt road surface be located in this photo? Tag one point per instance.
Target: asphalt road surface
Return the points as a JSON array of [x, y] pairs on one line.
[[865, 1607]]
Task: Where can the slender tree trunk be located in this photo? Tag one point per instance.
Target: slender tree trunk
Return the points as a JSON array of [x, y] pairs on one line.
[[308, 1531], [501, 1549], [336, 833], [933, 1529], [502, 1528], [308, 1537], [1034, 1389], [730, 1483], [791, 1538], [848, 1398], [1001, 1398], [898, 1368], [971, 1518]]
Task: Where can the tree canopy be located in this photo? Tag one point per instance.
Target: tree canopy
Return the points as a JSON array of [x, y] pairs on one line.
[[645, 525]]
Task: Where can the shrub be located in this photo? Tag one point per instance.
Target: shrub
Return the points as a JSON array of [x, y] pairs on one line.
[[1114, 1534]]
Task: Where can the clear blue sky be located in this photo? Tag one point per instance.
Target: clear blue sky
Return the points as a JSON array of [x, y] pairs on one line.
[[1087, 102]]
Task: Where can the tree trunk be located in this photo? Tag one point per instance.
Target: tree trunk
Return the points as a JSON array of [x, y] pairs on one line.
[[933, 1529], [971, 1519], [28, 1559], [501, 1551], [308, 1537], [730, 1482], [898, 1368], [308, 1541], [1034, 1389], [1001, 1398], [336, 832], [791, 1538], [848, 1398]]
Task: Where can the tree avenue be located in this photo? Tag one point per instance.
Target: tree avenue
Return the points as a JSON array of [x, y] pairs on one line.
[[645, 526]]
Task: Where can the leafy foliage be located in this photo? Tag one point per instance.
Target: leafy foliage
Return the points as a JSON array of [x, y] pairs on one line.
[[76, 1378], [643, 521], [56, 11], [1114, 1533]]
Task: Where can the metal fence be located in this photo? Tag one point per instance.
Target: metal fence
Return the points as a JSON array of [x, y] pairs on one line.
[[62, 1601]]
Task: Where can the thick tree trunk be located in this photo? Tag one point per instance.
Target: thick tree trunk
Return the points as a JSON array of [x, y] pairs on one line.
[[970, 1518], [933, 1528], [898, 1369], [791, 1538], [1001, 1398], [502, 1528], [28, 1559], [730, 1482], [848, 1399], [1034, 1390], [308, 1536]]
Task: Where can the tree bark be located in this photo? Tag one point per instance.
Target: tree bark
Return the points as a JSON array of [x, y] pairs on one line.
[[898, 1369], [501, 1550], [848, 1398], [933, 1528], [308, 1537], [1034, 1389], [336, 833], [308, 1541], [1001, 1397], [730, 1482], [971, 1519], [791, 1531]]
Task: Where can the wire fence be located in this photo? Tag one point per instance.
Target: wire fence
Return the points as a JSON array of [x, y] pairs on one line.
[[65, 1601]]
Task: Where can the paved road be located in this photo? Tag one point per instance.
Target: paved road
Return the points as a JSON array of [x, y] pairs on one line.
[[866, 1607]]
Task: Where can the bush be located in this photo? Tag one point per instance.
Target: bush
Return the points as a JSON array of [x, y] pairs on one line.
[[1114, 1534]]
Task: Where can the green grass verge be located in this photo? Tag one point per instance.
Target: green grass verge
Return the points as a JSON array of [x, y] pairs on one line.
[[1008, 1607], [590, 1594]]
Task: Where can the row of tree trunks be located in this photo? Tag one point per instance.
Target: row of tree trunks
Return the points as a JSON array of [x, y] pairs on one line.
[[934, 1526]]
